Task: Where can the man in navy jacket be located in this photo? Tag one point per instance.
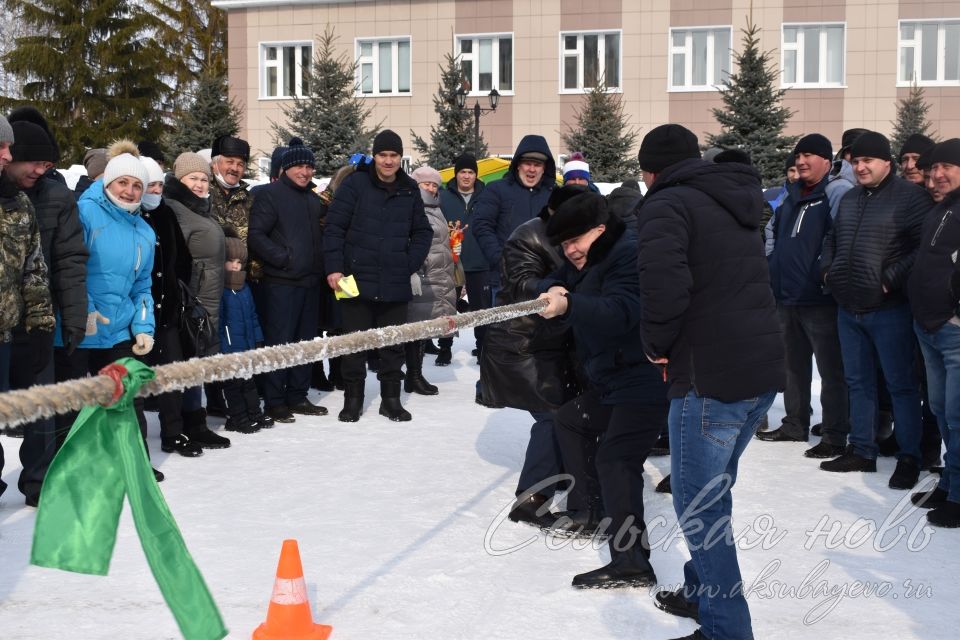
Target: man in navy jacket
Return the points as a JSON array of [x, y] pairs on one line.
[[377, 232]]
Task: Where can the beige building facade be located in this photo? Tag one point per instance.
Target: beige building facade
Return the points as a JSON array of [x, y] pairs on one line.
[[844, 63]]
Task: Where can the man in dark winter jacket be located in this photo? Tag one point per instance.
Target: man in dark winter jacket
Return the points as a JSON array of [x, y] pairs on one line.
[[808, 314], [517, 197], [866, 260], [458, 202], [528, 363], [377, 232], [623, 200], [597, 294], [285, 234], [61, 239], [934, 292], [710, 320]]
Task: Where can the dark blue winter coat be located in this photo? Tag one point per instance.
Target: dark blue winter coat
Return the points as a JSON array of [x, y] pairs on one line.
[[506, 204], [239, 326], [455, 209], [604, 313], [286, 234], [800, 225], [378, 233]]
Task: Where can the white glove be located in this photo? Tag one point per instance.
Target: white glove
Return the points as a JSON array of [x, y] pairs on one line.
[[144, 344], [415, 285], [93, 319]]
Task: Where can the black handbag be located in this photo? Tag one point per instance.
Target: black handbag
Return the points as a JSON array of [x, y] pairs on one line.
[[196, 329]]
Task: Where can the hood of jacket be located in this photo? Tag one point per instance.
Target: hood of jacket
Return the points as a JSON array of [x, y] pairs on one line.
[[97, 193], [735, 187], [533, 143]]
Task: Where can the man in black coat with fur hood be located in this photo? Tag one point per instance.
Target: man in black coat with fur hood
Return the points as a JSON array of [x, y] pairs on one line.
[[597, 293]]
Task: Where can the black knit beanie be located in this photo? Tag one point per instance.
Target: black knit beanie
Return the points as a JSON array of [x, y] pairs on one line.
[[666, 145], [733, 155], [387, 140], [849, 137], [816, 144], [297, 154], [151, 150], [871, 145], [576, 216], [465, 161], [31, 143], [276, 159], [916, 143], [947, 151], [29, 113]]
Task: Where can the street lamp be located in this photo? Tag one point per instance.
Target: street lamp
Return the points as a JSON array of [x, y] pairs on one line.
[[478, 111]]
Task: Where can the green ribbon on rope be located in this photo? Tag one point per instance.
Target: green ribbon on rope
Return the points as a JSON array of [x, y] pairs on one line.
[[103, 460]]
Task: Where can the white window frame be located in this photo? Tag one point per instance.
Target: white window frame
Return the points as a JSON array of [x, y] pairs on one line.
[[798, 47], [374, 59], [265, 64], [917, 45], [472, 56], [713, 84], [601, 59]]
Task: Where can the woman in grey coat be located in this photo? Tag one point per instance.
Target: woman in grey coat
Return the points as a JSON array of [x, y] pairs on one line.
[[434, 286], [187, 192]]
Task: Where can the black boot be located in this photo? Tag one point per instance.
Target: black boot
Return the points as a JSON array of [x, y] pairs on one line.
[[390, 402], [181, 444], [532, 509], [195, 427], [444, 357], [629, 568], [676, 603], [336, 378], [414, 382], [429, 347], [947, 515], [352, 402]]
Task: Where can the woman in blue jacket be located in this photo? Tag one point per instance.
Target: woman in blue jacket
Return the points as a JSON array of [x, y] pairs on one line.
[[120, 318]]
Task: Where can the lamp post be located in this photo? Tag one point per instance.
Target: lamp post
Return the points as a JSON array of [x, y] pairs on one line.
[[478, 111]]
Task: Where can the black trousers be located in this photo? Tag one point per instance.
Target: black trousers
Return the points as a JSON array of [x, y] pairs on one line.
[[479, 297], [39, 437], [242, 398], [167, 350], [626, 432], [84, 362], [808, 333], [360, 315], [289, 314]]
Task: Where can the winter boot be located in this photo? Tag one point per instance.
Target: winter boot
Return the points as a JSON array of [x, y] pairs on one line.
[[241, 424], [444, 357], [930, 499], [352, 402], [414, 382], [430, 348], [906, 474], [318, 378], [390, 402], [848, 462], [195, 427], [532, 509], [181, 444], [629, 568], [675, 603], [946, 515], [263, 421]]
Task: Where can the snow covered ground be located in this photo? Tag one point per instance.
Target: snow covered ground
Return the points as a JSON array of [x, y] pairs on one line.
[[402, 534]]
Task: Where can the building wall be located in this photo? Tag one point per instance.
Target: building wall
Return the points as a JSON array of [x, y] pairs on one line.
[[868, 98]]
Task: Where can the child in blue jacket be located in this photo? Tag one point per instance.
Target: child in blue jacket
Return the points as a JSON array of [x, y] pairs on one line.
[[240, 331]]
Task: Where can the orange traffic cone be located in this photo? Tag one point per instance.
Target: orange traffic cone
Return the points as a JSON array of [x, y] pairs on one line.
[[288, 617]]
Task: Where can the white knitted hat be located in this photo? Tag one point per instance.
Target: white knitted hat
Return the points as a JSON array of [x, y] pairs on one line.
[[154, 172], [125, 165]]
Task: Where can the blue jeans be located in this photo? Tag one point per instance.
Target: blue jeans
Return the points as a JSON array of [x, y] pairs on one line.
[[885, 334], [941, 355], [707, 438]]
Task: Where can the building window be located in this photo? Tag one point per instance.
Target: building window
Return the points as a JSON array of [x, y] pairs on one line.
[[699, 58], [589, 59], [929, 53], [284, 69], [487, 62], [813, 55], [384, 67]]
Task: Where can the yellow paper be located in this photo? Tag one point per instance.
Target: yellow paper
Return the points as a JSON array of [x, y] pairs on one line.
[[348, 288]]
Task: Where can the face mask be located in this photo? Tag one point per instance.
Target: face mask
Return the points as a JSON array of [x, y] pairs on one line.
[[129, 207], [224, 184], [151, 201]]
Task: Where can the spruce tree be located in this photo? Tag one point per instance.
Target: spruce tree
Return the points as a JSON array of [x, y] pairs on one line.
[[753, 118], [332, 119], [604, 137], [455, 133], [211, 114], [911, 118], [92, 68]]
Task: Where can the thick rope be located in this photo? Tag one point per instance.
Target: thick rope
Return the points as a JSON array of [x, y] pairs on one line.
[[44, 401]]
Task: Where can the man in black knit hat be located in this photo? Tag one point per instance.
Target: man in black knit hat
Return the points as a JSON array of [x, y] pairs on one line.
[[377, 232], [866, 259], [914, 147]]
